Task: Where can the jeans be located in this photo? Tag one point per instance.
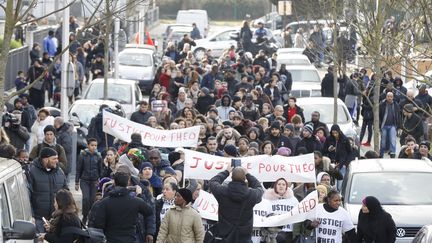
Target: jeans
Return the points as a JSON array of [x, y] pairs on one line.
[[388, 137], [342, 170], [88, 189], [368, 124]]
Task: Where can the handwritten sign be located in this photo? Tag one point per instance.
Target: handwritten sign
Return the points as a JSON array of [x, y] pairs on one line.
[[207, 206], [264, 167], [122, 128]]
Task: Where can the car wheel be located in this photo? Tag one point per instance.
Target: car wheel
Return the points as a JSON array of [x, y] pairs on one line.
[[199, 53]]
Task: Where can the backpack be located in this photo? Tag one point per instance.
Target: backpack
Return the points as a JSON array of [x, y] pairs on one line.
[[87, 235]]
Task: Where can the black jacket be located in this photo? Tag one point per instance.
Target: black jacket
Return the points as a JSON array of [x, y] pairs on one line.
[[117, 215], [204, 103], [43, 185], [231, 198], [89, 166], [64, 138], [140, 117], [375, 226], [342, 147], [299, 111], [280, 141], [412, 126], [396, 109], [311, 144], [327, 85], [63, 222]]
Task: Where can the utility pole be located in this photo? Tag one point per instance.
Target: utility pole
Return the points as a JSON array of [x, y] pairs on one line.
[[116, 47], [64, 104]]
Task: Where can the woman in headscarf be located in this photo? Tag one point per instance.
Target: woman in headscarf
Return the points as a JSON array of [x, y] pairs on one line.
[[375, 224]]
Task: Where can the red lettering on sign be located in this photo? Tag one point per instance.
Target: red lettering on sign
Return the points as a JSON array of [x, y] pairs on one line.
[[196, 160], [208, 165], [106, 121], [220, 165]]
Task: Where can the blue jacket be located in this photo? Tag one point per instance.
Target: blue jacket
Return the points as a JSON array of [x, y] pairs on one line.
[[89, 166], [49, 46]]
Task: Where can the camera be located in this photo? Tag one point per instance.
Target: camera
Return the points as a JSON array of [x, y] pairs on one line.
[[8, 119]]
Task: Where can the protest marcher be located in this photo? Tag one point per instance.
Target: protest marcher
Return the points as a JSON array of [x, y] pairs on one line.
[[64, 138], [281, 190], [165, 202], [45, 178], [423, 151], [148, 177], [310, 142], [332, 220], [117, 213], [411, 124], [88, 172], [236, 201], [181, 223], [65, 215], [374, 223], [44, 119]]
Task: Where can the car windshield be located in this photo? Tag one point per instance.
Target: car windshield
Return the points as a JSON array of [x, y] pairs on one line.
[[304, 75], [119, 92], [85, 112], [135, 59], [392, 188], [293, 62], [326, 113]]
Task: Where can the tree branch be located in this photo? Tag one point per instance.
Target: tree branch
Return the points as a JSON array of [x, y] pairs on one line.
[[37, 19]]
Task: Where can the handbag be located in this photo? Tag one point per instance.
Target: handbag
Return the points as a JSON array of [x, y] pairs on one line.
[[213, 234]]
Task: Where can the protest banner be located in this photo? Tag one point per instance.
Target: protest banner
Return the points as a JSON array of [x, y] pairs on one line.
[[207, 206], [264, 167], [122, 128]]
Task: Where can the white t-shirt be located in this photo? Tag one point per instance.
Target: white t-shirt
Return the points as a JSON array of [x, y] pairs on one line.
[[332, 225], [282, 206]]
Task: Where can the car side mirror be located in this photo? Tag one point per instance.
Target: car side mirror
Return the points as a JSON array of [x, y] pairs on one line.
[[21, 230]]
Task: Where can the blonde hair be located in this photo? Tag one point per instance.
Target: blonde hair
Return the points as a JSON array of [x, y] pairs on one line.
[[3, 136]]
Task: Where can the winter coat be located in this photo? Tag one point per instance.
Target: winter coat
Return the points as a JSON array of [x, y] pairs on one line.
[[232, 198], [35, 152], [140, 117], [181, 225], [43, 185], [63, 222], [158, 208], [18, 135], [37, 133], [95, 131], [145, 225], [64, 138], [299, 111], [203, 104], [396, 115], [280, 141], [342, 146], [89, 166], [276, 95], [117, 215], [412, 126], [326, 166], [327, 85], [311, 144]]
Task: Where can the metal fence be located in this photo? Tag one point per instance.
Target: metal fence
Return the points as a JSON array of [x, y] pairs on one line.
[[18, 60]]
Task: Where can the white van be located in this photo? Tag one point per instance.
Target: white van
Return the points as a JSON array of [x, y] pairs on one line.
[[15, 207], [191, 16]]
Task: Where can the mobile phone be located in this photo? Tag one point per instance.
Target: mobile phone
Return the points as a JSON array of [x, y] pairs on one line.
[[45, 221], [235, 162]]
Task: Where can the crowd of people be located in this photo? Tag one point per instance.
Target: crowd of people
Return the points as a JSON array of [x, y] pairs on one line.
[[137, 193]]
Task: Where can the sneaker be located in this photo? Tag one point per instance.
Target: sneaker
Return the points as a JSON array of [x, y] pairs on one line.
[[367, 144]]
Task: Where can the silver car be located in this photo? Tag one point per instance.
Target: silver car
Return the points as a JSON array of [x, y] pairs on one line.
[[401, 185], [424, 235]]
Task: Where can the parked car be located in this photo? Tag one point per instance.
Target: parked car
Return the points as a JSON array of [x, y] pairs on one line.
[[177, 33], [139, 62], [85, 110], [324, 106], [197, 16], [126, 92], [306, 81], [424, 235], [401, 187], [292, 59], [218, 43], [168, 31], [281, 51], [15, 209]]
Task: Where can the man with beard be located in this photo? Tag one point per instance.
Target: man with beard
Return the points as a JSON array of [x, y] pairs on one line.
[[228, 136], [315, 121], [411, 124], [275, 136]]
